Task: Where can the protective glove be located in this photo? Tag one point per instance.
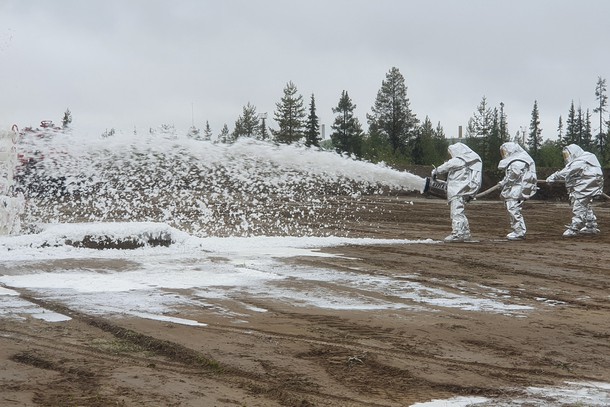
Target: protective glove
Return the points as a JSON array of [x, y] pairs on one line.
[[550, 179], [433, 174]]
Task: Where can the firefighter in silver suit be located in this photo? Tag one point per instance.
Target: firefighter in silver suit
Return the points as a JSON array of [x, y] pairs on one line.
[[463, 171], [518, 184], [584, 181]]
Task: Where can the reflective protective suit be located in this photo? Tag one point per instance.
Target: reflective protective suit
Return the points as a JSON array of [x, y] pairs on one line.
[[584, 180], [519, 184], [463, 182]]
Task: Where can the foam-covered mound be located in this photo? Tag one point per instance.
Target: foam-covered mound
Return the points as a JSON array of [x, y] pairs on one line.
[[114, 235]]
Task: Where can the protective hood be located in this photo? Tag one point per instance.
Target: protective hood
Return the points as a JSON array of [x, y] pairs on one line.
[[513, 151], [464, 152], [573, 152], [459, 149]]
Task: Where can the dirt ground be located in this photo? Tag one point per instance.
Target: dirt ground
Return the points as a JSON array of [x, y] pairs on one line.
[[305, 356]]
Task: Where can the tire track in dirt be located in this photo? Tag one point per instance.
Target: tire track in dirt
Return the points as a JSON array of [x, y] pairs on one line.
[[193, 363]]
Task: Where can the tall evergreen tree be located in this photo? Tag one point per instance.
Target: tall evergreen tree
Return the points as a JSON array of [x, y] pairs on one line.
[[480, 124], [504, 134], [246, 125], [479, 130], [571, 135], [67, 119], [194, 133], [602, 102], [224, 136], [207, 131], [440, 145], [392, 117], [312, 126], [560, 129], [347, 131], [534, 141], [580, 126], [492, 154], [587, 136], [423, 149], [290, 116], [263, 129]]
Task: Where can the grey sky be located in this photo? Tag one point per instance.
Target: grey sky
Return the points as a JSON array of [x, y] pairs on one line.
[[143, 63]]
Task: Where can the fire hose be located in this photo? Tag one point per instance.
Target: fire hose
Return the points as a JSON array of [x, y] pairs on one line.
[[438, 188], [495, 187]]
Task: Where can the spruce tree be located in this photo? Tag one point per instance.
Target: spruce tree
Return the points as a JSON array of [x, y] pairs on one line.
[[194, 133], [479, 130], [312, 126], [571, 136], [67, 119], [492, 154], [224, 136], [601, 139], [392, 117], [423, 149], [347, 131], [207, 131], [534, 141], [480, 124], [587, 135], [440, 146], [246, 125], [290, 116], [560, 129]]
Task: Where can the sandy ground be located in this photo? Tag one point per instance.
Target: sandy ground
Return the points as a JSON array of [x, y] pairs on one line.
[[304, 356]]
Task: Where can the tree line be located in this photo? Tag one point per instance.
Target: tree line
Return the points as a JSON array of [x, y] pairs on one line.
[[397, 137]]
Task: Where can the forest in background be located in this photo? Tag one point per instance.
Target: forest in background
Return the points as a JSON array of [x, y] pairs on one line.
[[397, 137]]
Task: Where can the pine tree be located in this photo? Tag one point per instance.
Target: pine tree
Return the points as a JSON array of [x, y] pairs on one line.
[[504, 134], [67, 119], [601, 140], [392, 117], [262, 133], [492, 154], [207, 132], [481, 122], [290, 116], [194, 133], [534, 141], [571, 136], [423, 149], [312, 126], [440, 145], [560, 129], [587, 136], [580, 127], [246, 125], [479, 130], [224, 136], [347, 131]]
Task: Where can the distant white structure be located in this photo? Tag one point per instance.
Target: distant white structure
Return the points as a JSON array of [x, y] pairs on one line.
[[11, 206]]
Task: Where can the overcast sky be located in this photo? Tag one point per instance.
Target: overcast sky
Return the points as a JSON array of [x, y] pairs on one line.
[[142, 63]]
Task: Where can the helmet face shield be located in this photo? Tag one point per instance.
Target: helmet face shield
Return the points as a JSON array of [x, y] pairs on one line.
[[566, 155], [503, 152]]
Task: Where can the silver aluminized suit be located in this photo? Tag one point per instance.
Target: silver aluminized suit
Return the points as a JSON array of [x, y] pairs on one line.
[[518, 184], [463, 182], [584, 180]]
